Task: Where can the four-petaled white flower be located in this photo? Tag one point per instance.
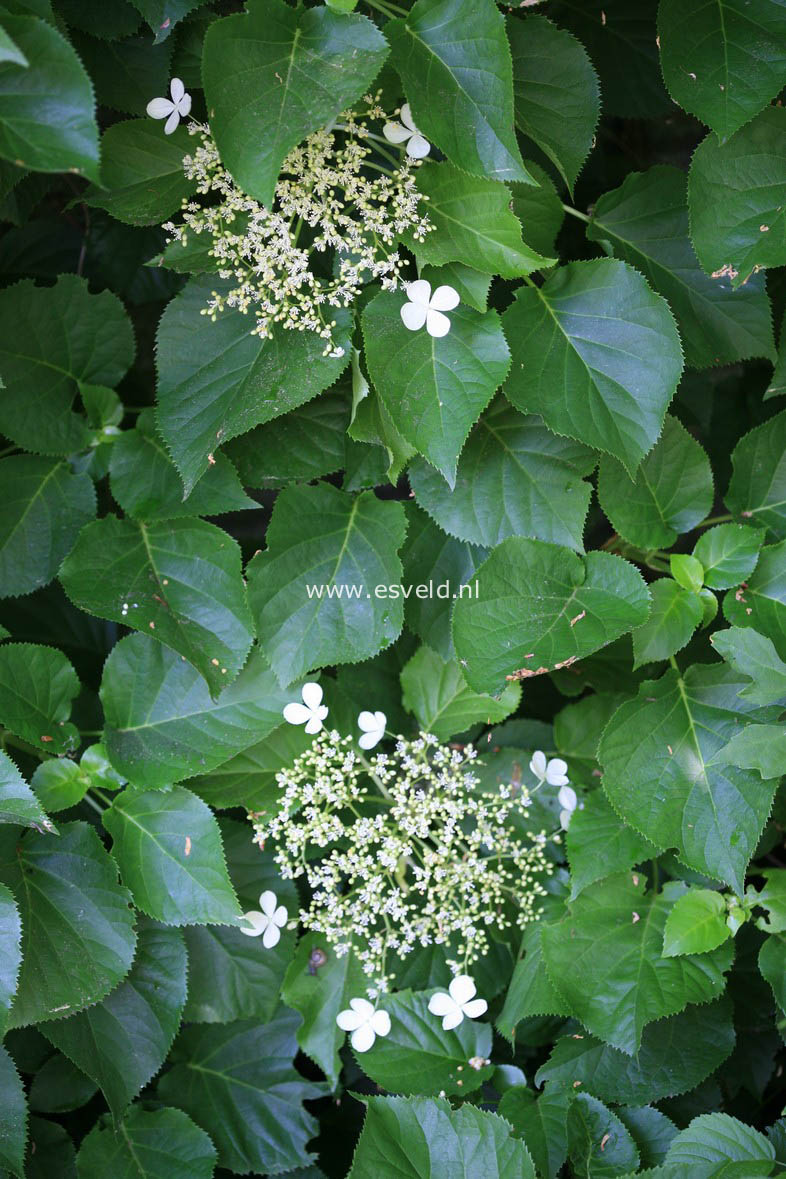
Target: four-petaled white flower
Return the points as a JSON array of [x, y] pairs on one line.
[[269, 921], [568, 801], [311, 712], [373, 726], [365, 1022], [554, 772], [425, 308], [407, 132], [172, 110], [457, 1002]]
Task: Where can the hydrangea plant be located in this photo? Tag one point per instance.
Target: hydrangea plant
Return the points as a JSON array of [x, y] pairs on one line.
[[392, 589]]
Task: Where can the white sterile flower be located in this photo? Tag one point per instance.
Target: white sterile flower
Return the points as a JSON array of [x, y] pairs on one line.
[[172, 110], [555, 771], [365, 1022], [373, 726], [568, 801], [407, 132], [269, 921], [425, 308], [457, 1002], [311, 712]]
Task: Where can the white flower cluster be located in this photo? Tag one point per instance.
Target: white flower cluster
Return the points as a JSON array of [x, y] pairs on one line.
[[341, 203], [403, 851]]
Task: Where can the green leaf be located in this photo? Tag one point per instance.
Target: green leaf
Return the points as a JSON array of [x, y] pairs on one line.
[[438, 695], [578, 726], [530, 992], [738, 223], [419, 1057], [10, 51], [13, 1116], [142, 172], [125, 73], [714, 1142], [434, 388], [55, 339], [541, 1122], [424, 1136], [161, 724], [558, 110], [301, 445], [217, 380], [590, 1123], [156, 1144], [169, 851], [728, 553], [676, 612], [540, 210], [597, 353], [248, 779], [753, 655], [122, 1042], [762, 602], [323, 539], [178, 581], [18, 805], [59, 1087], [47, 111], [77, 925], [461, 96], [645, 221], [37, 685], [723, 62], [757, 747], [43, 508], [163, 15], [687, 571], [599, 844], [51, 1151], [651, 1130], [58, 784], [772, 964], [514, 478], [318, 991], [272, 75], [661, 775], [676, 1054], [538, 606], [604, 960], [758, 484], [10, 952], [671, 492], [696, 924], [473, 224], [239, 1081]]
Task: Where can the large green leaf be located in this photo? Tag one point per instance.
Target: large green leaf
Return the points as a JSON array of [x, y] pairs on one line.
[[168, 847], [757, 490], [761, 603], [454, 60], [239, 1081], [42, 508], [77, 925], [757, 747], [676, 612], [599, 845], [142, 172], [645, 221], [723, 61], [557, 109], [437, 693], [123, 1041], [738, 221], [178, 581], [47, 111], [542, 1122], [434, 388], [728, 553], [161, 724], [54, 340], [539, 606], [18, 804], [163, 15], [13, 1116], [597, 353], [301, 445], [604, 960], [423, 1136], [530, 992], [217, 380], [10, 952], [37, 685], [716, 1145], [514, 478], [590, 1123], [660, 773], [249, 778], [154, 1144], [753, 655], [313, 591], [274, 74]]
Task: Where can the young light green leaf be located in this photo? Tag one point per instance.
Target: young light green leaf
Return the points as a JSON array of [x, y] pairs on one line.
[[696, 924], [437, 693], [459, 100], [539, 606], [77, 924], [597, 353], [10, 952], [600, 845], [676, 612], [590, 1123], [18, 804], [169, 850], [728, 553], [342, 546], [687, 571], [142, 176], [753, 655], [514, 478], [159, 1144], [757, 490], [757, 747], [645, 221], [123, 1041], [37, 685], [178, 581], [273, 74], [13, 1116], [738, 222]]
